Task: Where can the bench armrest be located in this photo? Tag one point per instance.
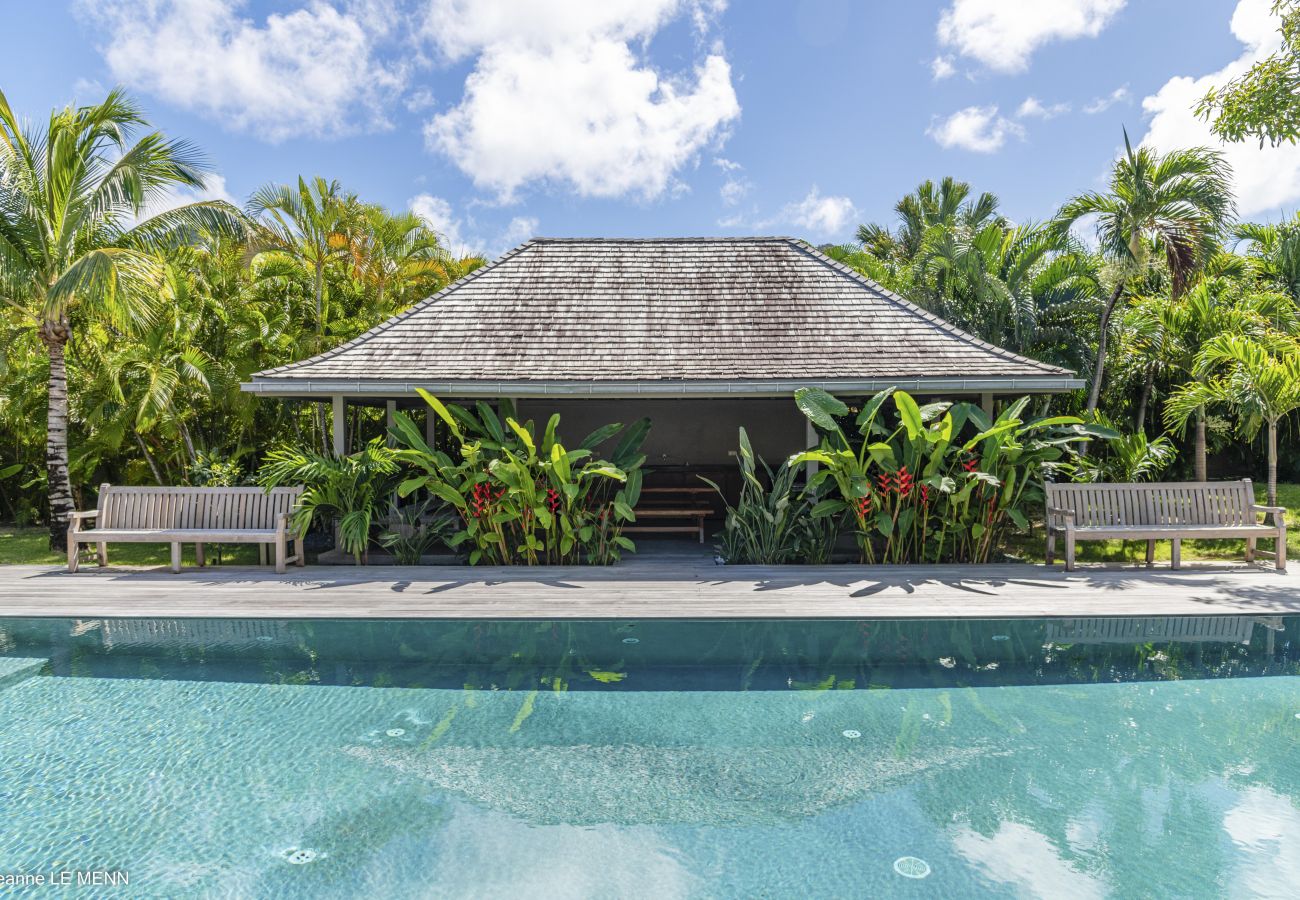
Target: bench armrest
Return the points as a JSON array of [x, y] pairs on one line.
[[1278, 512], [85, 514]]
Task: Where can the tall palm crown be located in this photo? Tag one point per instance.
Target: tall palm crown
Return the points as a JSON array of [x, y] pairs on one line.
[[947, 205], [1178, 204], [72, 239]]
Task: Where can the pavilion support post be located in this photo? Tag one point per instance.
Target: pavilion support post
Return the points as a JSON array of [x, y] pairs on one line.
[[390, 413], [986, 404], [340, 424], [430, 426]]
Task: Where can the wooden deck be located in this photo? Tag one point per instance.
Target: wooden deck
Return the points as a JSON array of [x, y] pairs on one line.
[[652, 588]]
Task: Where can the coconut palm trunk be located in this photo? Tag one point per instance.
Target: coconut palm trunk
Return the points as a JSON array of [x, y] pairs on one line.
[[55, 337], [1094, 394]]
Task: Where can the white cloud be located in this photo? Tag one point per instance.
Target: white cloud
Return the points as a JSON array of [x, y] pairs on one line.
[[1101, 104], [463, 236], [1033, 108], [562, 93], [823, 216], [817, 215], [976, 128], [437, 214], [1265, 178], [1003, 34], [736, 187], [941, 67], [309, 71]]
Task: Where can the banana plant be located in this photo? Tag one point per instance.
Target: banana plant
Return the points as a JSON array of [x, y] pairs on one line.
[[525, 499], [944, 483]]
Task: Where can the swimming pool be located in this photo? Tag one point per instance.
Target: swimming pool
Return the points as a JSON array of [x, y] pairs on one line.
[[1084, 757]]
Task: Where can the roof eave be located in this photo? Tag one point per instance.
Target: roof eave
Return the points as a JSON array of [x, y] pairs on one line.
[[393, 388]]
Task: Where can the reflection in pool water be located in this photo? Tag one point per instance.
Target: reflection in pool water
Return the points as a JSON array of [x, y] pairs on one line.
[[1098, 757]]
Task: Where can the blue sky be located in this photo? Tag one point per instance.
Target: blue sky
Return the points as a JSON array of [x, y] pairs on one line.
[[502, 119]]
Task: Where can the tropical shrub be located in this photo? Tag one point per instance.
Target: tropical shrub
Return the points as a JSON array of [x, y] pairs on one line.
[[354, 489], [772, 521], [945, 483], [522, 499], [412, 532], [1124, 459]]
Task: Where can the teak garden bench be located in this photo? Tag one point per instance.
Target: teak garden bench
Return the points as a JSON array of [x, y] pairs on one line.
[[1161, 511], [678, 504], [183, 515]]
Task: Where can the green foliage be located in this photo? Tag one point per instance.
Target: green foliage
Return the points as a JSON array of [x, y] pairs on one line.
[[1127, 457], [414, 531], [943, 483], [351, 489], [524, 498], [772, 521], [1264, 103]]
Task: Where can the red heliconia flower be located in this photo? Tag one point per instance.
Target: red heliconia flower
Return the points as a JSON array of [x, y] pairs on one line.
[[885, 482], [971, 464], [904, 481], [925, 493], [553, 499], [864, 506]]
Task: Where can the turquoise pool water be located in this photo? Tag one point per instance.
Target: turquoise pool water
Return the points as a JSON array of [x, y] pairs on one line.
[[1054, 758]]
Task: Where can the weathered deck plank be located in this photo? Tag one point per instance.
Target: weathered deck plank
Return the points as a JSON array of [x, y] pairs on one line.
[[649, 589]]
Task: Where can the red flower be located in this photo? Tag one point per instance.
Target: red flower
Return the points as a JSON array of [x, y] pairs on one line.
[[864, 506], [885, 482], [553, 499], [971, 464], [925, 493], [904, 481]]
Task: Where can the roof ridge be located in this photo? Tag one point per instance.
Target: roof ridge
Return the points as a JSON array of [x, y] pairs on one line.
[[402, 316], [923, 313], [716, 239]]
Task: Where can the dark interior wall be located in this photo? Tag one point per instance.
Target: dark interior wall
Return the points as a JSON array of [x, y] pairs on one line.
[[685, 432]]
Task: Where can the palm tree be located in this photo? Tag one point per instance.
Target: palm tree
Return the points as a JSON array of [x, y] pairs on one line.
[[1257, 376], [1177, 204], [72, 246], [946, 205], [398, 258], [312, 225], [1274, 251], [1007, 284]]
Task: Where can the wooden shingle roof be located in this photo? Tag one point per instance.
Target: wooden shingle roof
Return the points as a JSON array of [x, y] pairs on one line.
[[588, 315]]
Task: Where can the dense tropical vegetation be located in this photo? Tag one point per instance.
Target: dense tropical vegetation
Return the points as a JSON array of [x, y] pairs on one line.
[[130, 316], [128, 321]]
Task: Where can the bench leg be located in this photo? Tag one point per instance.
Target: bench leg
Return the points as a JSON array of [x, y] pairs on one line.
[[103, 554], [1069, 552], [261, 554], [1250, 549], [1050, 556], [281, 551], [1280, 556], [198, 556], [1176, 553], [176, 557], [74, 553], [1151, 553], [299, 556]]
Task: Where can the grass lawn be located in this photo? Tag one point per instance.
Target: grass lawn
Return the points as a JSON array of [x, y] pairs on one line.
[[30, 545]]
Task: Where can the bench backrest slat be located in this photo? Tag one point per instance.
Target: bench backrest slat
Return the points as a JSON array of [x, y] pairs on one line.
[[194, 507], [1156, 503]]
